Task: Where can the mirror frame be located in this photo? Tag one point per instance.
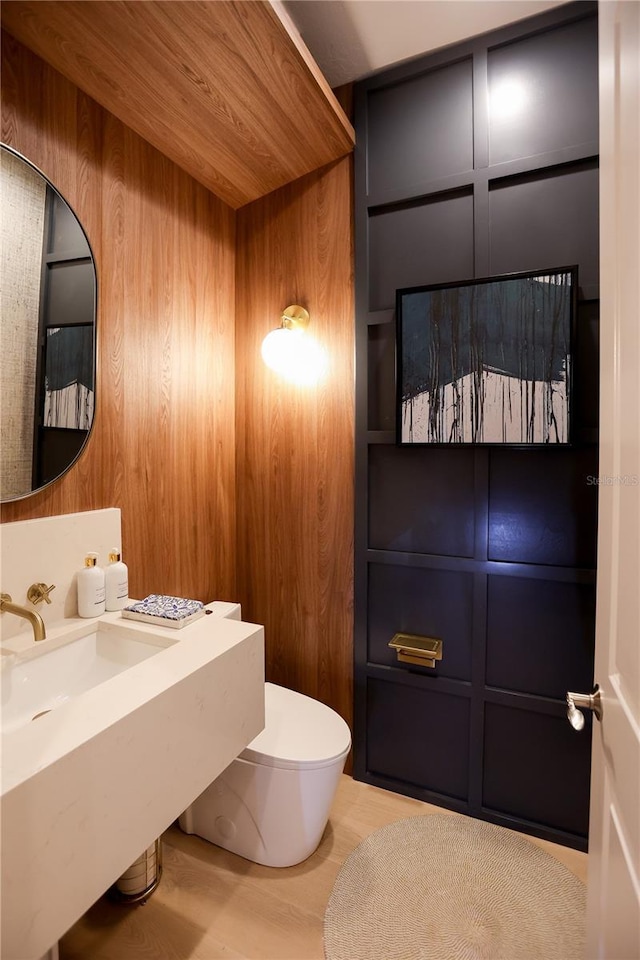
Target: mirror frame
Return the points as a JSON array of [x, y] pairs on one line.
[[47, 181]]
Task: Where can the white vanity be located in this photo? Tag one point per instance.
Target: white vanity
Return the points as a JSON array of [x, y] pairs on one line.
[[125, 744]]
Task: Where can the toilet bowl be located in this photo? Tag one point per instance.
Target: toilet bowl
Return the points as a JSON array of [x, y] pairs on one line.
[[271, 805]]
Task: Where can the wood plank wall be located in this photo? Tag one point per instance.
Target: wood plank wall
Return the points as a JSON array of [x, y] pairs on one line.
[[204, 57], [163, 444], [295, 444]]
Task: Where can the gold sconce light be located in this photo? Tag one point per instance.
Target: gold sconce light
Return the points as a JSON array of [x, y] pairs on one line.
[[289, 350]]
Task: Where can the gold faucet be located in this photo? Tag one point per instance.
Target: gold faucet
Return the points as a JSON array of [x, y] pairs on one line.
[[36, 621]]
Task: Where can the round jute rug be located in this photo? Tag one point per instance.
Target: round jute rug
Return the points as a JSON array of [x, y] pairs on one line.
[[448, 887]]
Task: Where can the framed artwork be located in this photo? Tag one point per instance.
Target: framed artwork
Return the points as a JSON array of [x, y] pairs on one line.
[[486, 361], [69, 377]]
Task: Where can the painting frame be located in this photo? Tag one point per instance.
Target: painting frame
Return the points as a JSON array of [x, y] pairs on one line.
[[487, 361]]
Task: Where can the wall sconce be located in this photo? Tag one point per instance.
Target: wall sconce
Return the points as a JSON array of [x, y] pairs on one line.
[[291, 352]]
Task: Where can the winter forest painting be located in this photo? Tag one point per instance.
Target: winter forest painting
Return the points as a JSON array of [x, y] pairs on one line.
[[488, 361]]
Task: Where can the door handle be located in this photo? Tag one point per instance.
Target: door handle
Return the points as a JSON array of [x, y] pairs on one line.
[[589, 701]]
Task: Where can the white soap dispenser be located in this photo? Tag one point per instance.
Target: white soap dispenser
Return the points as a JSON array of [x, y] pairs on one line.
[[91, 588], [117, 581]]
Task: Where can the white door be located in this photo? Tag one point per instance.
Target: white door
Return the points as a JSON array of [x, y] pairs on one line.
[[614, 839]]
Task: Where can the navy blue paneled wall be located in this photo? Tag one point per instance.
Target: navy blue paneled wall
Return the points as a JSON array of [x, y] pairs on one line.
[[478, 160]]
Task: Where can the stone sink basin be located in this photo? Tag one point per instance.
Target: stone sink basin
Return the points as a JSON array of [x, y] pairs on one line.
[[140, 720], [48, 675]]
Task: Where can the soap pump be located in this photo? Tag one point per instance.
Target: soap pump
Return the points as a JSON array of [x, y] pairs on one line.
[[91, 588], [117, 581]]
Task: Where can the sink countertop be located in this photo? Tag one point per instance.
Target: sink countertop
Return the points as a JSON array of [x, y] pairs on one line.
[[59, 632], [88, 787], [34, 746]]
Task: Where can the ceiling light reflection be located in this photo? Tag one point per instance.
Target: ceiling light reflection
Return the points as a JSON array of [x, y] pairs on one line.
[[507, 99]]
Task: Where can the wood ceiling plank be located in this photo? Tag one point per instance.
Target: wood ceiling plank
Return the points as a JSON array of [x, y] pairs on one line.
[[222, 88]]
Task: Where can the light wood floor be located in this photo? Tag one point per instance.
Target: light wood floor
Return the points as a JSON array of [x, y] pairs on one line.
[[211, 904]]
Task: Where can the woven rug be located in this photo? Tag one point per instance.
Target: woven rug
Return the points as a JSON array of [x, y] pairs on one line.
[[448, 887]]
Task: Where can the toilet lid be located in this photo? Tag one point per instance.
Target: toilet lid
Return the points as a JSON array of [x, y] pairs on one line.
[[299, 732]]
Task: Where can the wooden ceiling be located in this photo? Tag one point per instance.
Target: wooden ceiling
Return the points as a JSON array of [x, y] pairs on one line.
[[225, 88]]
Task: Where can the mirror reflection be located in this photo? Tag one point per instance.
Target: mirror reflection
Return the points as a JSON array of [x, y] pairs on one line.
[[48, 345]]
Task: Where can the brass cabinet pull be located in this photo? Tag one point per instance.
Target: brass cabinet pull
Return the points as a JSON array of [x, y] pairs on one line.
[[421, 651]]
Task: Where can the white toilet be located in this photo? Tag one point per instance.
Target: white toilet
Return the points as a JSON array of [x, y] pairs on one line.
[[271, 805]]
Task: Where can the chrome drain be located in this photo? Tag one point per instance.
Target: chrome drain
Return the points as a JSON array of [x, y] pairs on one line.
[[41, 714]]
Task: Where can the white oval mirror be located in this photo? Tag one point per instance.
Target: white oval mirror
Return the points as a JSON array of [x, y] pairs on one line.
[[48, 331]]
